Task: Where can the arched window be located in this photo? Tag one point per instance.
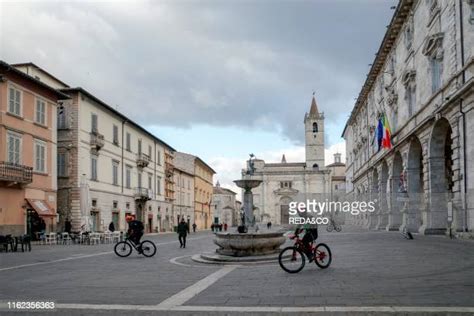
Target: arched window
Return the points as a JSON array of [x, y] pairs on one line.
[[315, 166], [315, 127]]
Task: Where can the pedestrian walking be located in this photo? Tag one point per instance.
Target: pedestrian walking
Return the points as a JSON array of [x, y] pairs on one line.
[[182, 233], [194, 227], [225, 226]]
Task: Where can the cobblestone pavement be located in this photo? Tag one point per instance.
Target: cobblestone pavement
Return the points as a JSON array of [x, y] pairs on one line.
[[371, 272]]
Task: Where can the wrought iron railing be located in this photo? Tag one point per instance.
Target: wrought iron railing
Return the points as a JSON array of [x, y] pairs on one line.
[[15, 173]]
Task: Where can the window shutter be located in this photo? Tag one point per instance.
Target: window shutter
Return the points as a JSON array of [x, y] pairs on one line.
[[12, 101], [17, 101]]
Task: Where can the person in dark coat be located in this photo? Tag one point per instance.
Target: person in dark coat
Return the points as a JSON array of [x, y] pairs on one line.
[[111, 227], [67, 226], [194, 227], [182, 233], [135, 231]]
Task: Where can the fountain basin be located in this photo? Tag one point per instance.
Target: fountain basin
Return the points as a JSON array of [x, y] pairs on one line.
[[249, 244]]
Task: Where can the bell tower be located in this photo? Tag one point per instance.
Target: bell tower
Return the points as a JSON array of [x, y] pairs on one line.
[[314, 137]]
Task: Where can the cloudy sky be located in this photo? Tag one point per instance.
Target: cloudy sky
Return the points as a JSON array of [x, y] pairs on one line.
[[218, 79]]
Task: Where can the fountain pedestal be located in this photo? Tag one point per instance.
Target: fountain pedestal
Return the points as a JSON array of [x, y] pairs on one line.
[[242, 246]]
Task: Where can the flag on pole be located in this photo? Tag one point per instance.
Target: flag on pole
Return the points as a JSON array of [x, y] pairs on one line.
[[383, 133], [379, 133], [387, 134]]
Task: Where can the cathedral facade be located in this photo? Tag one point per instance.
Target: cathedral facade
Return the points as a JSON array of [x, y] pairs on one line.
[[283, 182]]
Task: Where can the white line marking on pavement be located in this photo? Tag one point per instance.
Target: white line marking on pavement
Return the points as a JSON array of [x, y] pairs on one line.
[[185, 295], [53, 261], [75, 257], [174, 261], [275, 309]]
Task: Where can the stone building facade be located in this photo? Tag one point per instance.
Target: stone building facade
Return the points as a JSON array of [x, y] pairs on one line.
[[28, 149], [283, 182], [114, 169], [225, 207], [422, 81], [184, 186], [203, 183], [109, 168]]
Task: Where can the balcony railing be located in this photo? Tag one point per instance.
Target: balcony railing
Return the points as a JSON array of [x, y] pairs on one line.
[[143, 194], [97, 141], [15, 173], [142, 160]]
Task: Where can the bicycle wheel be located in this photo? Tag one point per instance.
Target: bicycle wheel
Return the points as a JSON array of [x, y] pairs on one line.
[[123, 249], [329, 228], [338, 228], [148, 248], [322, 256], [291, 259]]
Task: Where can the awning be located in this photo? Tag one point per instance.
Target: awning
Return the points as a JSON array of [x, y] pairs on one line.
[[41, 207]]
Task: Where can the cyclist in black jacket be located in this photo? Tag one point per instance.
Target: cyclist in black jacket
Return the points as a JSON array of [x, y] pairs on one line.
[[135, 231], [311, 234]]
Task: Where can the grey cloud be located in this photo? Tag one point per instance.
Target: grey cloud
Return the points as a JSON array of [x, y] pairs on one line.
[[242, 63]]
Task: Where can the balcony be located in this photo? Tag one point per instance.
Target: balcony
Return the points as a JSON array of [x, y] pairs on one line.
[[15, 174], [143, 194], [97, 141], [142, 160]]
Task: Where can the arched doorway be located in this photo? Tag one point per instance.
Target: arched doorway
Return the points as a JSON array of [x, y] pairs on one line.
[[441, 178], [395, 206], [415, 186], [284, 210]]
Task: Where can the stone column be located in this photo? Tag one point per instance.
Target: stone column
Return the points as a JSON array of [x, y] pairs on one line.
[[382, 200], [394, 214], [248, 206], [435, 216]]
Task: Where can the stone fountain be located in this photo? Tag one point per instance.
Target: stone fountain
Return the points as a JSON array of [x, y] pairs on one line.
[[245, 246]]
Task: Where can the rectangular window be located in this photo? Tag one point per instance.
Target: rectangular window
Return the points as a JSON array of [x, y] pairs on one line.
[[94, 168], [158, 185], [62, 165], [40, 156], [128, 177], [115, 167], [435, 75], [139, 179], [411, 100], [115, 205], [150, 181], [62, 118], [40, 116], [158, 157], [128, 140], [14, 148], [139, 146], [14, 101], [115, 133], [94, 123], [149, 151]]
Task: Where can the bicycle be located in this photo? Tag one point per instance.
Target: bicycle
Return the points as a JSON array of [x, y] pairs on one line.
[[292, 259], [124, 248], [333, 226]]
